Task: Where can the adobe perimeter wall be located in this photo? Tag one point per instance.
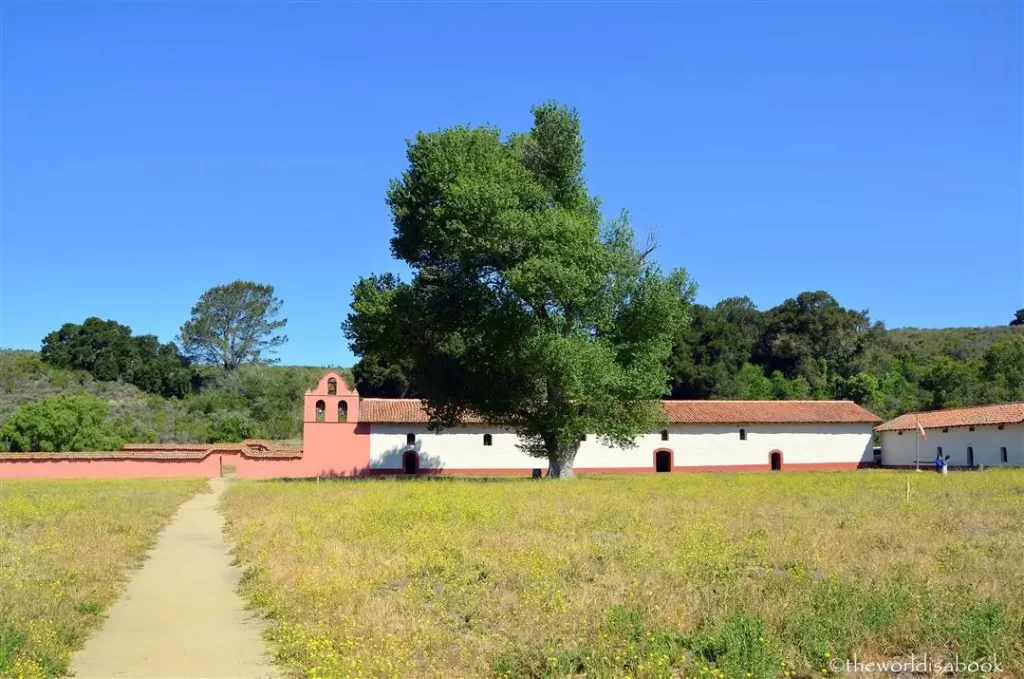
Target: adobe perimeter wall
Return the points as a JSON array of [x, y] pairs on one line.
[[339, 450], [86, 468]]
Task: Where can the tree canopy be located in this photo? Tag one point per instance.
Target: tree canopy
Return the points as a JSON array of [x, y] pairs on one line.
[[810, 347], [107, 350], [234, 324], [525, 307]]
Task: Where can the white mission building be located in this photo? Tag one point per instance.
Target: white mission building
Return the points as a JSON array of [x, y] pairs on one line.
[[699, 436], [989, 436]]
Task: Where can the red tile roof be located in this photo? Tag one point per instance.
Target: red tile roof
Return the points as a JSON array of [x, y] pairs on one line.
[[166, 446], [251, 448], [402, 411], [1006, 413], [399, 411], [768, 412]]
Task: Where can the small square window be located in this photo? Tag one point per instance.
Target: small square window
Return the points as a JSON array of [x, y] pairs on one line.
[[664, 434], [899, 433], [410, 439], [945, 430], [1000, 427], [488, 440], [970, 429], [743, 434], [583, 438]]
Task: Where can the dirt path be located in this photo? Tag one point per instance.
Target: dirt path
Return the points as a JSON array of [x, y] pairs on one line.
[[180, 615]]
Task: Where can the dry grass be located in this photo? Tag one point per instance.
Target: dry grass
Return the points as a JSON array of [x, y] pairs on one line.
[[65, 547], [737, 575]]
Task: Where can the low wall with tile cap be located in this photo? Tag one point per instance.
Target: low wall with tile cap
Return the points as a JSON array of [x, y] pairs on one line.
[[148, 460], [336, 449], [104, 466]]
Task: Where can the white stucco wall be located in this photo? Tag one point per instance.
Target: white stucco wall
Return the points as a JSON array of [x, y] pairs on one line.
[[986, 440], [692, 446]]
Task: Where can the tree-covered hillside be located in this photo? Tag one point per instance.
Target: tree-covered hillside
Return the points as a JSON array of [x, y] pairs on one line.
[[808, 347], [96, 384], [254, 401], [923, 368], [958, 343]]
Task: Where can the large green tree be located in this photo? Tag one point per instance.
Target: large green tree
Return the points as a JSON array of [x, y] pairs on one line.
[[525, 308], [234, 324], [813, 337], [711, 352], [1002, 370], [952, 383], [108, 351], [375, 375], [104, 349], [376, 378]]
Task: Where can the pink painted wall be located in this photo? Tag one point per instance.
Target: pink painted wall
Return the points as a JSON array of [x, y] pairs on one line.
[[108, 469]]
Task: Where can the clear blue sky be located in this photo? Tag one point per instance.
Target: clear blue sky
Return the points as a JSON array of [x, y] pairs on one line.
[[152, 150]]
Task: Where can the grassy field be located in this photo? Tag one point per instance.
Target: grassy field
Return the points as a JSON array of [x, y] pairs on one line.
[[734, 575], [65, 547]]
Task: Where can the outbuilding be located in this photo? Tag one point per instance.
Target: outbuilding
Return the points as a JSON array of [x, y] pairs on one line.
[[990, 436]]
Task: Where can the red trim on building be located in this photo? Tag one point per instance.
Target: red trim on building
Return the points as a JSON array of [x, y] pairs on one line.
[[792, 466]]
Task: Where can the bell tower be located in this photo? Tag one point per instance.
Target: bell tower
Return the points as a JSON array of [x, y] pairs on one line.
[[330, 417]]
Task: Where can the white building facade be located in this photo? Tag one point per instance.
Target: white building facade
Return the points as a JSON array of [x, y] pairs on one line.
[[989, 436], [700, 436]]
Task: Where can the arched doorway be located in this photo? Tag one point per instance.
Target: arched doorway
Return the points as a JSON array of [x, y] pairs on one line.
[[410, 462], [775, 457], [662, 461]]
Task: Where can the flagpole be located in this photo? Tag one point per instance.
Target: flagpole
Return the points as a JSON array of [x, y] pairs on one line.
[[920, 435]]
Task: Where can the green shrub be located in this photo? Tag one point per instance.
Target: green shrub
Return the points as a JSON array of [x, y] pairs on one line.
[[62, 423]]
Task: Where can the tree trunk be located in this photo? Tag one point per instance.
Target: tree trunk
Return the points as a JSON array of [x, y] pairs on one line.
[[560, 462]]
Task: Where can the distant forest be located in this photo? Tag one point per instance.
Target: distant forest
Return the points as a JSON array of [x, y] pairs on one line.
[[96, 385], [810, 347]]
